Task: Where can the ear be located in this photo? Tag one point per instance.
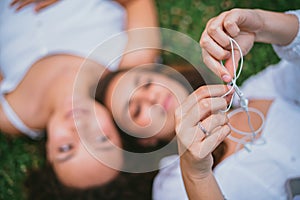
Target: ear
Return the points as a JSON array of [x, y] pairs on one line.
[[148, 142]]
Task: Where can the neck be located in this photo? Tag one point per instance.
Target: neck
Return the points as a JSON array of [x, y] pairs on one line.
[[57, 80], [74, 81], [47, 86]]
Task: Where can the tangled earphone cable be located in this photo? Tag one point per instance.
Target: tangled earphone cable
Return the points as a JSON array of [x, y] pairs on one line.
[[243, 104]]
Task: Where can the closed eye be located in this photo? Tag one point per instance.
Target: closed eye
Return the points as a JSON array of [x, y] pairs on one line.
[[148, 84]]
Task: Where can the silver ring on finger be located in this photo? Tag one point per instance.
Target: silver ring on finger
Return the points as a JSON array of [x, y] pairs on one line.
[[203, 129]]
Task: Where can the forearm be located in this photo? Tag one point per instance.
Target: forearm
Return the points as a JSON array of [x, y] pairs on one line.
[[202, 187], [278, 28], [141, 14]]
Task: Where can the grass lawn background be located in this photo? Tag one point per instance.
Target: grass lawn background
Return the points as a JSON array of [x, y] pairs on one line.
[[17, 155]]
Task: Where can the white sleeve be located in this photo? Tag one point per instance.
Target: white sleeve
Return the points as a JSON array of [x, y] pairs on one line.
[[276, 81], [290, 52], [168, 184]]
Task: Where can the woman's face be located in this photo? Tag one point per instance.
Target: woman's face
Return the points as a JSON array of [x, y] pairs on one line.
[[83, 145], [143, 103]]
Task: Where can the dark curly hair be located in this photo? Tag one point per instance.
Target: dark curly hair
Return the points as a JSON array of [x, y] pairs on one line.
[[42, 184]]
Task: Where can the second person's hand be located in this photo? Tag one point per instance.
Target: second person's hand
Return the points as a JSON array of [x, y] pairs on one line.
[[197, 141], [239, 24]]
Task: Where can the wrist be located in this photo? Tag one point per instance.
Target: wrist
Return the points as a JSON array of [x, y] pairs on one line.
[[277, 28], [196, 171]]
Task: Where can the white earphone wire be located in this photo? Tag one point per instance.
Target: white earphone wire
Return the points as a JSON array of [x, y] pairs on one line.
[[243, 103]]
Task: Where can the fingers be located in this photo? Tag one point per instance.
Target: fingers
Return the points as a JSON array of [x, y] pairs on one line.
[[239, 24], [232, 22], [21, 3], [215, 66], [14, 2], [39, 5], [209, 144], [43, 4], [214, 121], [201, 93], [215, 30], [198, 114], [233, 65], [202, 110], [203, 107], [214, 48], [194, 142]]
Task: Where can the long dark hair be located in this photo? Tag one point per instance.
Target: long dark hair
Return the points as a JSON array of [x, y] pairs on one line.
[[43, 184], [187, 73]]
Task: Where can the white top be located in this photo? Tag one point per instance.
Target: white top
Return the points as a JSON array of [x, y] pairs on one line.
[[260, 174], [67, 27]]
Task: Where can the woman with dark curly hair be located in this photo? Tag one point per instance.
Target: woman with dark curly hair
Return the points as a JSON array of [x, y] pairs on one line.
[[44, 56]]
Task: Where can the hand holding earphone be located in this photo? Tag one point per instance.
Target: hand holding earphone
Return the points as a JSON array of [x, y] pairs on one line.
[[240, 24], [200, 128]]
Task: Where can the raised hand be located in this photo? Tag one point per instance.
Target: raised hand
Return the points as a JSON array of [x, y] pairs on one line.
[[200, 127]]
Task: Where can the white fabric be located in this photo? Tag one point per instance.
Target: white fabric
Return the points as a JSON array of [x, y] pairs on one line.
[[290, 52], [68, 27], [265, 169], [168, 184], [260, 174], [17, 122]]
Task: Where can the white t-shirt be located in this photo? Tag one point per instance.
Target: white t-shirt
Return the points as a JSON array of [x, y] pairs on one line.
[[71, 27], [90, 29], [260, 174]]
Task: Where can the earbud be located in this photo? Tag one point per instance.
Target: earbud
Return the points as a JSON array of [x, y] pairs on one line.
[[243, 100]]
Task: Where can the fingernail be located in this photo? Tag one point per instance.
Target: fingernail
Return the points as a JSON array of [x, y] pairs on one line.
[[226, 78], [229, 86]]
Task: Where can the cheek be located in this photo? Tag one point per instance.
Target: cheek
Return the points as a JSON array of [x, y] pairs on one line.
[[151, 116], [156, 120], [50, 150], [50, 141]]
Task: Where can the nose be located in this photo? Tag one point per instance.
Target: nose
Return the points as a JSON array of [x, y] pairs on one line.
[[65, 128], [149, 96]]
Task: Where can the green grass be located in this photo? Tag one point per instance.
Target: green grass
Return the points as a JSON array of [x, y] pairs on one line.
[[187, 16], [190, 17]]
